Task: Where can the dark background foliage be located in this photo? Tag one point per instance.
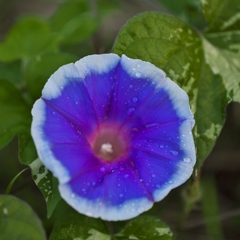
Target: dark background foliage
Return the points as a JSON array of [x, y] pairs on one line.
[[208, 208]]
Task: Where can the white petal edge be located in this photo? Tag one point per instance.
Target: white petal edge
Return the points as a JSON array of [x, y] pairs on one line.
[[96, 208], [43, 146], [97, 64]]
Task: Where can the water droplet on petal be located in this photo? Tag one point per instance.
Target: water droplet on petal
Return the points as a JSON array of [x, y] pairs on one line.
[[126, 176], [161, 146], [72, 195], [138, 65], [134, 69], [120, 195], [102, 169], [174, 153], [153, 175], [187, 160], [76, 103], [93, 183], [131, 86], [131, 110], [135, 99], [138, 74]]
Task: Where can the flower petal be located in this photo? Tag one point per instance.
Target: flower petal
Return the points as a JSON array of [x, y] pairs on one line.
[[146, 107], [109, 194]]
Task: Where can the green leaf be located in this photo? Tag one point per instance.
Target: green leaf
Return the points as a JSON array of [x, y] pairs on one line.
[[145, 227], [47, 183], [221, 15], [41, 68], [11, 72], [106, 7], [15, 114], [29, 37], [18, 221], [73, 22], [187, 10], [193, 63], [210, 112], [72, 225], [210, 208], [169, 44], [26, 149], [226, 64]]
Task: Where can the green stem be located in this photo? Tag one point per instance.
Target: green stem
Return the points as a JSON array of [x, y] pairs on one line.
[[9, 187]]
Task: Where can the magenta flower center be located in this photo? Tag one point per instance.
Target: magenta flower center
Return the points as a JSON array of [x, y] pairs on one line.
[[109, 143]]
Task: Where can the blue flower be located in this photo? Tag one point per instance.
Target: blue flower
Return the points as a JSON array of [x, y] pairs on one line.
[[116, 132]]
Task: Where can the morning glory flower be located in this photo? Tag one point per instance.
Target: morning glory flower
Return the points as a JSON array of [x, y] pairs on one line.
[[116, 132]]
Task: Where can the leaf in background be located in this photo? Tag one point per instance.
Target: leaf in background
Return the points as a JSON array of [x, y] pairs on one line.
[[221, 15], [72, 225], [11, 72], [145, 227], [210, 111], [18, 221], [106, 7], [73, 22], [26, 149], [47, 183], [29, 37], [172, 46], [168, 43], [226, 64], [210, 208], [187, 10], [192, 62], [15, 114], [41, 68]]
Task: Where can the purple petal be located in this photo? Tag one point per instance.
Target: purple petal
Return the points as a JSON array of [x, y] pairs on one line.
[[103, 103]]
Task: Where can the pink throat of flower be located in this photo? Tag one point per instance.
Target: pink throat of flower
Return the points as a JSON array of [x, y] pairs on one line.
[[109, 143]]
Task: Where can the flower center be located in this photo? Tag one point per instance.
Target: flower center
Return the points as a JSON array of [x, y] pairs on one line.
[[109, 143]]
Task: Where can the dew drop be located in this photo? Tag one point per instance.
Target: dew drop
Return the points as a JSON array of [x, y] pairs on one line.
[[161, 146], [135, 99], [183, 135], [138, 74], [153, 175], [131, 110], [72, 195], [170, 182], [126, 176], [76, 103], [102, 169], [138, 65], [121, 168], [187, 160], [134, 69], [120, 195], [174, 153], [93, 183]]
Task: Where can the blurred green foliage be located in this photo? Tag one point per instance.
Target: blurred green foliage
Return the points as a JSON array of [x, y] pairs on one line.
[[200, 52]]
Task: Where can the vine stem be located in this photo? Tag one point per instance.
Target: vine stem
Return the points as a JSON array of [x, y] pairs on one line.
[[9, 187]]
